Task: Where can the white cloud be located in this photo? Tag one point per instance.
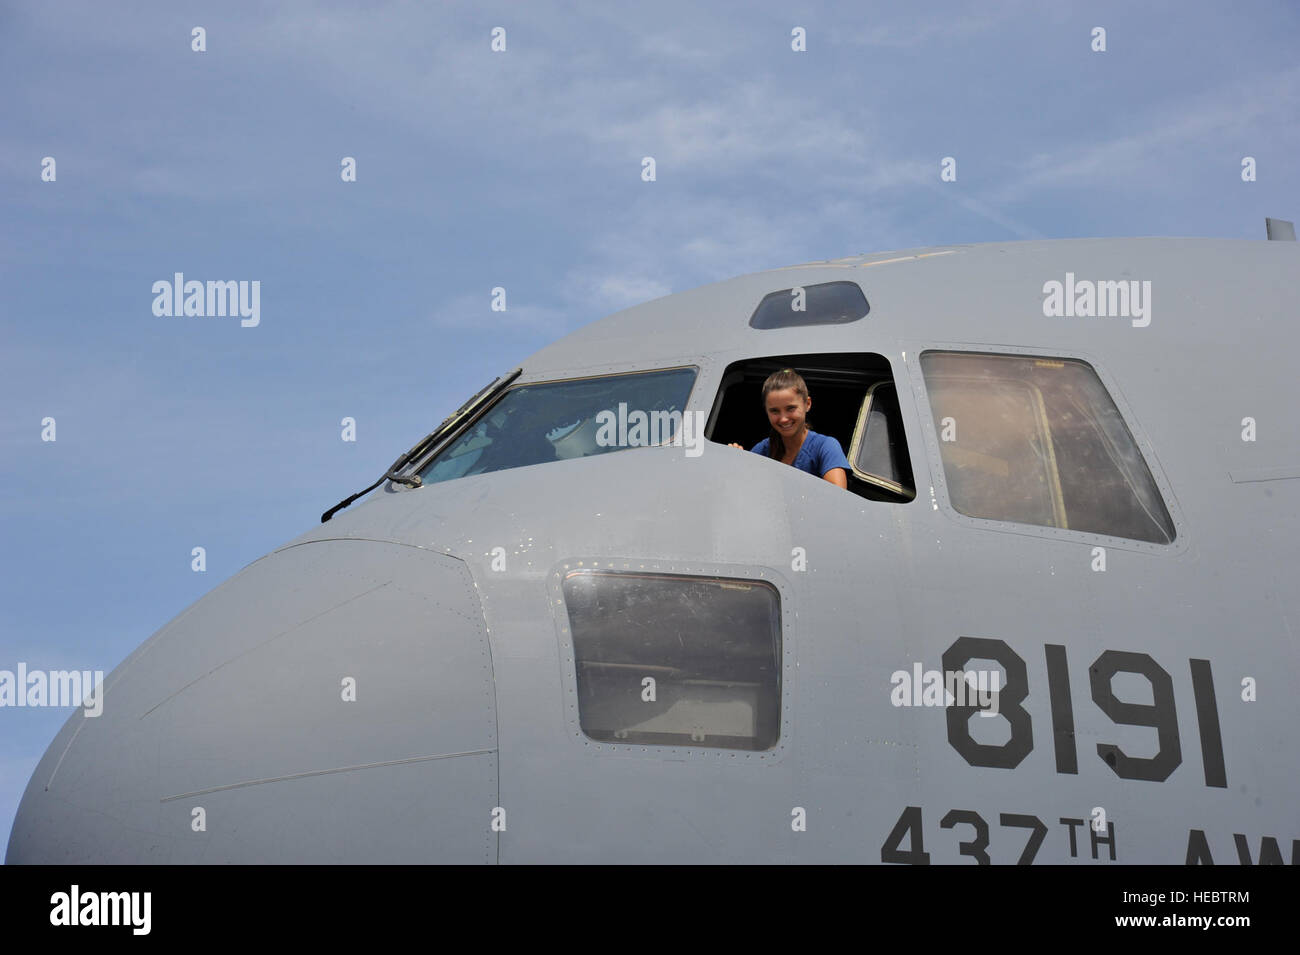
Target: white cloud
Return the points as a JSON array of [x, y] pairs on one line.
[[914, 30], [1209, 121], [602, 292], [744, 128], [469, 311]]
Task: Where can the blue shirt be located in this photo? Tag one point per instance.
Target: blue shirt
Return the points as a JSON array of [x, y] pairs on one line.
[[820, 453]]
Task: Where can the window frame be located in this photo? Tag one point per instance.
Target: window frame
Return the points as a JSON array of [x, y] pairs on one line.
[[667, 751], [938, 476], [807, 324], [415, 467], [731, 374], [859, 435]]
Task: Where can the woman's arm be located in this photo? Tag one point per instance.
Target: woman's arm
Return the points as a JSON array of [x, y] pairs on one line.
[[831, 458]]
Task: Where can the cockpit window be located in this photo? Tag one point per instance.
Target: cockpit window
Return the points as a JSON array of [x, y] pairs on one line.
[[553, 420], [854, 401], [676, 660], [879, 450], [1039, 441], [829, 303]]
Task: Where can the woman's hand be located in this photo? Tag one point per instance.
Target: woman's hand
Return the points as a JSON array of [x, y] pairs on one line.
[[734, 445]]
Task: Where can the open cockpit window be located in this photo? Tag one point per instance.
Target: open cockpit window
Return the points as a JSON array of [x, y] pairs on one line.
[[879, 450], [554, 420], [854, 401], [1039, 441], [828, 303], [676, 660]]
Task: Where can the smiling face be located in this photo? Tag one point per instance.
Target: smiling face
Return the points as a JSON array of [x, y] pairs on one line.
[[785, 410]]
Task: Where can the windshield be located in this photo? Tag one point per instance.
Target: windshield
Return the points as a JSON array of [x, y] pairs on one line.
[[554, 420]]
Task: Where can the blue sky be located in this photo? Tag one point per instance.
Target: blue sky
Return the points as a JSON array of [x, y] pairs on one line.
[[519, 169]]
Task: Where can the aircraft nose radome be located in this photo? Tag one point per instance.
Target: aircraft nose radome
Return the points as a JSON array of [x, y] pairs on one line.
[[333, 702]]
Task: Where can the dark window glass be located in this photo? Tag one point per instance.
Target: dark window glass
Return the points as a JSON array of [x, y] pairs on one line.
[[554, 420], [1039, 441], [831, 303], [680, 661], [881, 456]]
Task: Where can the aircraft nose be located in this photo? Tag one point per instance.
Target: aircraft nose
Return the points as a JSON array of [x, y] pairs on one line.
[[332, 702]]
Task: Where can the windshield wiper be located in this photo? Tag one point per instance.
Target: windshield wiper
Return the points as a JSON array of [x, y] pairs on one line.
[[484, 396]]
